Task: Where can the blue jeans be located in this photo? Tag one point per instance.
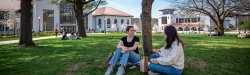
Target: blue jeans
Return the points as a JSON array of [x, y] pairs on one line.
[[129, 56], [163, 69]]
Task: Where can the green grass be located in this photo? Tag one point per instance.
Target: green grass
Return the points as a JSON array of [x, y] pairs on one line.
[[204, 55], [10, 38], [34, 35]]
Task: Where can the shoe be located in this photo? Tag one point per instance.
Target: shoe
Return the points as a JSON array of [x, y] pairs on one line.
[[152, 73], [109, 70], [132, 67], [121, 70]]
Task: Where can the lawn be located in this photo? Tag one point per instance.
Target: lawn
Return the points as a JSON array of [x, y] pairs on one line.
[[35, 35], [204, 55]]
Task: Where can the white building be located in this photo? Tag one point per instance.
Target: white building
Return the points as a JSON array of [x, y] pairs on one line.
[[187, 22], [48, 16], [110, 19]]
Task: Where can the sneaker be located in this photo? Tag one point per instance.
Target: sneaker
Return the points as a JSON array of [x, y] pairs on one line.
[[132, 67], [120, 71], [109, 70], [152, 73]]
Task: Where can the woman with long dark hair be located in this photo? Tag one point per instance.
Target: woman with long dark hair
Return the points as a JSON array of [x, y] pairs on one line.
[[169, 60]]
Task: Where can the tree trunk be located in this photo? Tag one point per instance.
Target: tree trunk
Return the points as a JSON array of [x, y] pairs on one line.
[[146, 33], [79, 19], [26, 27], [221, 27], [146, 27]]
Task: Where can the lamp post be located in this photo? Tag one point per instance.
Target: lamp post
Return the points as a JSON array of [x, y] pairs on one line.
[[39, 24]]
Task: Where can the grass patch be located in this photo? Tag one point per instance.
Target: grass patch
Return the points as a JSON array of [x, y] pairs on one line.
[[204, 55]]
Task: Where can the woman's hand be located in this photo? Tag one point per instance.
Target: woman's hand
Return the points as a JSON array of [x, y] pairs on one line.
[[124, 49], [154, 61]]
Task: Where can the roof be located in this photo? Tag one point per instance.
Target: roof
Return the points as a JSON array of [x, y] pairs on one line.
[[110, 12], [7, 5], [188, 24], [167, 9]]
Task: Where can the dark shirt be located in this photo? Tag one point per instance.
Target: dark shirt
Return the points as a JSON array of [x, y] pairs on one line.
[[64, 37], [131, 44]]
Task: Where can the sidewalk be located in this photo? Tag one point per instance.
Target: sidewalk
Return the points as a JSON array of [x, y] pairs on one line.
[[16, 41], [40, 38]]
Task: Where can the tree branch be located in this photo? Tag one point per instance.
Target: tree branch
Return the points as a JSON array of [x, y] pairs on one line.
[[93, 9], [89, 1], [71, 1]]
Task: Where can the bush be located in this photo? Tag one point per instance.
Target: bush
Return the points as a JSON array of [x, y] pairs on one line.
[[116, 32], [43, 33]]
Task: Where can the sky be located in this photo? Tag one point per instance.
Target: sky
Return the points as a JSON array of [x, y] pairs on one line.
[[133, 7]]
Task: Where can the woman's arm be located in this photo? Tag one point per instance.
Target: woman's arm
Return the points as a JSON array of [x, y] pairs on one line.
[[134, 47], [169, 59], [120, 44]]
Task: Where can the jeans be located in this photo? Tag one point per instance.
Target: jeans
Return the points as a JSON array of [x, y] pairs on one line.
[[163, 69], [129, 56]]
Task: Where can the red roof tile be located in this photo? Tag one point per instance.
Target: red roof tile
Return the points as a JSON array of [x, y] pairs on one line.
[[110, 11]]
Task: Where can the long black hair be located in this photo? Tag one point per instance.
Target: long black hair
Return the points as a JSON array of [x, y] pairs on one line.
[[172, 35]]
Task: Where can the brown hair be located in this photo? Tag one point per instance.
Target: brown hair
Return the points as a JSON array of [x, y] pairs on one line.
[[172, 35], [128, 27]]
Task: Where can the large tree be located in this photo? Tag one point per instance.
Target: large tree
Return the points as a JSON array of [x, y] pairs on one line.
[[217, 10], [146, 32], [146, 26], [79, 7], [26, 27]]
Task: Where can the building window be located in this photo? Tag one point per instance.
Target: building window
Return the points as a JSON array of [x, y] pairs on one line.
[[108, 23], [167, 13], [128, 21], [185, 20], [100, 23], [48, 20], [177, 20], [67, 15], [164, 20], [122, 21], [188, 20], [115, 21], [194, 20], [181, 20], [3, 18]]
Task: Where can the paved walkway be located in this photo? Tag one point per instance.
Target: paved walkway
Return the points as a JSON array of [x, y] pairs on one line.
[[16, 41], [40, 38]]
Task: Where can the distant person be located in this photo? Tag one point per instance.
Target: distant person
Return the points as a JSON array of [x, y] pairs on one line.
[[169, 60], [72, 36], [77, 36], [56, 32], [64, 37]]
